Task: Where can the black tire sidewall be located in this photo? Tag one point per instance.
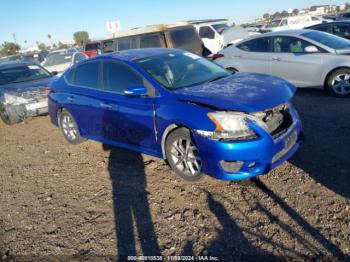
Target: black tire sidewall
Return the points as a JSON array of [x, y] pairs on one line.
[[173, 136], [331, 76], [4, 118]]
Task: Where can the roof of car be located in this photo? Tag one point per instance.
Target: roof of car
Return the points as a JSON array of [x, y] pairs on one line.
[[333, 22], [290, 32], [10, 64], [134, 54]]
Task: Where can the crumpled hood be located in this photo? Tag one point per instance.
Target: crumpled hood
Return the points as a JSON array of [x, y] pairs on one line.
[[240, 92], [24, 86]]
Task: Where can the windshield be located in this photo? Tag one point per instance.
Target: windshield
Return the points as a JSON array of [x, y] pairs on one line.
[[219, 27], [92, 46], [58, 60], [329, 40], [274, 23], [22, 74], [177, 70]]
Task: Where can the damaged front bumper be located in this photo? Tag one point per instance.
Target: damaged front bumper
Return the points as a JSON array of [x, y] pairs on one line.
[[15, 107]]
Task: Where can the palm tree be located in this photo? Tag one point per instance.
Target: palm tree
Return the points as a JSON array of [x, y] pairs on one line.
[[49, 37]]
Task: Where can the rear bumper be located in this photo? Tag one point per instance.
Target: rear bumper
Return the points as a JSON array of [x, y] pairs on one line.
[[258, 156]]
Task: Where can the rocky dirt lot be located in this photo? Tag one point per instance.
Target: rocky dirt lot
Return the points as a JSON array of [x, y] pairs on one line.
[[64, 202]]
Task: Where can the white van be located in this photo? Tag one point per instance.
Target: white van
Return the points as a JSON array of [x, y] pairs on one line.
[[293, 22], [217, 34], [210, 31]]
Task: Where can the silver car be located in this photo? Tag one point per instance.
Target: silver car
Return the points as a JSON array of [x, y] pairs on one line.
[[306, 58]]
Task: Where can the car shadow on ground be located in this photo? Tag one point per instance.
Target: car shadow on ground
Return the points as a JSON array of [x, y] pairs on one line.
[[232, 243], [130, 203], [325, 155]]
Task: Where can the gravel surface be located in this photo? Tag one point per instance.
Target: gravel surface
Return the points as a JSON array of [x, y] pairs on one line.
[[63, 202]]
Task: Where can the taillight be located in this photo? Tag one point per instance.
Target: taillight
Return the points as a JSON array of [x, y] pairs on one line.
[[216, 56]]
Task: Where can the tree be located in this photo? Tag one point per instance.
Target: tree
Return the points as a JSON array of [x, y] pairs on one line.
[[295, 11], [42, 46], [9, 48], [49, 37], [277, 15], [347, 6], [284, 14], [62, 46], [266, 16], [81, 37]]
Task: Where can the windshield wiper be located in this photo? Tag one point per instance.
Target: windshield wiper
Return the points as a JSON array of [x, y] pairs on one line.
[[215, 79]]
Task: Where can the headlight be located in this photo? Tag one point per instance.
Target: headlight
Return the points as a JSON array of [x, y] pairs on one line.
[[13, 99], [231, 126]]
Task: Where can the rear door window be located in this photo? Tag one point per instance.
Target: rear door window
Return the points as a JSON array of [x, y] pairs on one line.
[[256, 45], [148, 41], [86, 75], [342, 30], [286, 44], [117, 77], [323, 28], [184, 37], [206, 32]]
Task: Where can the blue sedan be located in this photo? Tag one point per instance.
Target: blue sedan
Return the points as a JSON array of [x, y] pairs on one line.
[[181, 107]]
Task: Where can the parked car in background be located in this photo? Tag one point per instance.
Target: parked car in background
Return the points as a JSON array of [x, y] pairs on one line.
[[179, 35], [92, 49], [338, 28], [58, 63], [307, 58], [343, 16], [23, 90], [293, 22], [210, 31], [36, 57], [178, 106]]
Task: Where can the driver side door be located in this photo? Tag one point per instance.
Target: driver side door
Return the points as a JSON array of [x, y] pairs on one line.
[[126, 119]]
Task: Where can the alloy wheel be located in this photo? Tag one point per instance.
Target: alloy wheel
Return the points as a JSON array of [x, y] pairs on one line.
[[341, 84], [69, 127], [185, 156]]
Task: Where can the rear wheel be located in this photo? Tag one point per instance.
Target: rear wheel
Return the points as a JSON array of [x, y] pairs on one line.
[[182, 155], [69, 128], [338, 83]]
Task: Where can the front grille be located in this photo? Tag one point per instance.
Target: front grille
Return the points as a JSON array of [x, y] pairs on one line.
[[34, 94], [277, 120]]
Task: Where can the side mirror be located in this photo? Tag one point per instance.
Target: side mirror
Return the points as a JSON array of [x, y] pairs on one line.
[[55, 73], [311, 49], [135, 91]]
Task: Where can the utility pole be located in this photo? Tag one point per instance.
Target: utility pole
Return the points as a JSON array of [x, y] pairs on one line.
[[14, 38]]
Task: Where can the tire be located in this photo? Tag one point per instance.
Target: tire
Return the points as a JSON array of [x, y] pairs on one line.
[[338, 83], [182, 155], [69, 128], [11, 114]]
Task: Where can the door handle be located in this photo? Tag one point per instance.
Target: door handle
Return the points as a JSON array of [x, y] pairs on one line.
[[71, 98], [276, 59], [237, 56], [106, 106]]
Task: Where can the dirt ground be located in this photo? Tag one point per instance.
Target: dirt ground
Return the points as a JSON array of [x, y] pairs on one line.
[[64, 202]]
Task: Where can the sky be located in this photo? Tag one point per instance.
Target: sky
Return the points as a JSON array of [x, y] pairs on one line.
[[33, 20]]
